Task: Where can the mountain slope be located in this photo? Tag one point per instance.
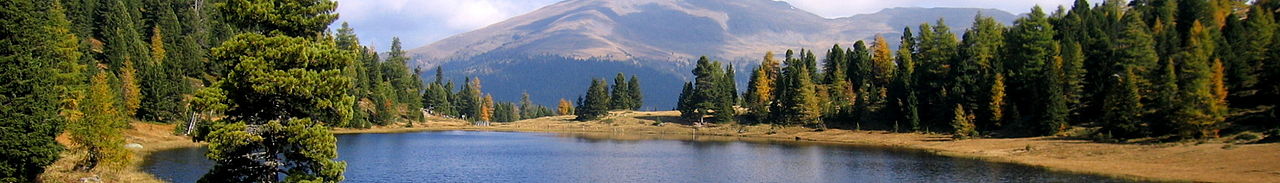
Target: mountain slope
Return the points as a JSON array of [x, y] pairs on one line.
[[554, 51]]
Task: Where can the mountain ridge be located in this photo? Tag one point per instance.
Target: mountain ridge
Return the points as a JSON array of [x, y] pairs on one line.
[[659, 38]]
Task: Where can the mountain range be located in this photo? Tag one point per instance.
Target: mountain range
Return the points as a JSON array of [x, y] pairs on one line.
[[553, 52]]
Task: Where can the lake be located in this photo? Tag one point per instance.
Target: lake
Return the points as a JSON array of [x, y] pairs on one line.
[[467, 156]]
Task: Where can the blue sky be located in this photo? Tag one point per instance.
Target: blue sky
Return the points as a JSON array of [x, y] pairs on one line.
[[420, 22]]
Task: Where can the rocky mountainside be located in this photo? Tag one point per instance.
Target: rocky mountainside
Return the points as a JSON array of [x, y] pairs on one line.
[[553, 52]]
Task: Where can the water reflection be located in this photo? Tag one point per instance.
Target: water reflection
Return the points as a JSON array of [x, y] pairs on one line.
[[458, 156]]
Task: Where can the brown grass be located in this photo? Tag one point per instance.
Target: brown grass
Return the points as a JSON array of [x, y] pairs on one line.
[[152, 136]]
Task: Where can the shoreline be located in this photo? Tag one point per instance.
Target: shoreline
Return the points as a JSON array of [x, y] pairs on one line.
[[1166, 162], [1162, 162]]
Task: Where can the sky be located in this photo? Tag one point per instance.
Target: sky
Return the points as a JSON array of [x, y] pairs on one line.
[[420, 22]]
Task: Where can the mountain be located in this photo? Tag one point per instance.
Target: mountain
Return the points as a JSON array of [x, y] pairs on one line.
[[553, 52]]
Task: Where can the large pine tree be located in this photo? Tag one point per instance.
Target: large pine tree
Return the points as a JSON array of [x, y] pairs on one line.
[[279, 103], [37, 37], [596, 103], [1030, 52]]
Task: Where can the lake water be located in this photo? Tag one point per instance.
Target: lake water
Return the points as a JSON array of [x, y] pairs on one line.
[[464, 156]]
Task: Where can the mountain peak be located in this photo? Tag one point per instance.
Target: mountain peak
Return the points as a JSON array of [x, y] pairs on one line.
[[662, 36]]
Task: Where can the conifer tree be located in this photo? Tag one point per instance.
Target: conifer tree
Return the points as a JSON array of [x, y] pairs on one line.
[[130, 92], [637, 95], [973, 75], [962, 122], [1253, 43], [620, 98], [277, 129], [882, 61], [100, 133], [1122, 107], [685, 103], [902, 91], [797, 102], [729, 85], [161, 85], [38, 37], [1030, 51], [596, 103], [997, 103], [527, 110], [487, 108], [836, 63], [760, 88], [1199, 111]]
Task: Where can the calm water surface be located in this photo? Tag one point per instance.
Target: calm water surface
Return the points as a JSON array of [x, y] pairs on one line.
[[461, 156]]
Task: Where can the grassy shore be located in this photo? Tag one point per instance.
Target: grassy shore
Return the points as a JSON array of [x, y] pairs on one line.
[[1206, 161]]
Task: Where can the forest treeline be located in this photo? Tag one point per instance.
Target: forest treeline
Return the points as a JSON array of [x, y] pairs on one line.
[[258, 84], [1144, 68], [601, 98]]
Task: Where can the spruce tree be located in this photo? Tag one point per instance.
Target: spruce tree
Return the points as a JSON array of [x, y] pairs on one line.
[[962, 123], [38, 37], [596, 103], [685, 103], [1199, 110], [760, 88], [972, 78], [620, 98], [637, 95], [903, 89], [1030, 52]]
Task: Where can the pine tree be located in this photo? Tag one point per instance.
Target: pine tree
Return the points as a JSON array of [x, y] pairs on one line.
[[1164, 100], [271, 123], [882, 61], [1030, 52], [1253, 42], [130, 93], [620, 98], [596, 104], [1122, 107], [937, 48], [487, 108], [973, 75], [797, 102], [528, 110], [962, 122], [685, 103], [729, 85], [903, 89], [100, 133], [997, 103], [161, 84], [120, 33], [637, 95], [38, 37], [1073, 74], [1199, 111], [760, 88]]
